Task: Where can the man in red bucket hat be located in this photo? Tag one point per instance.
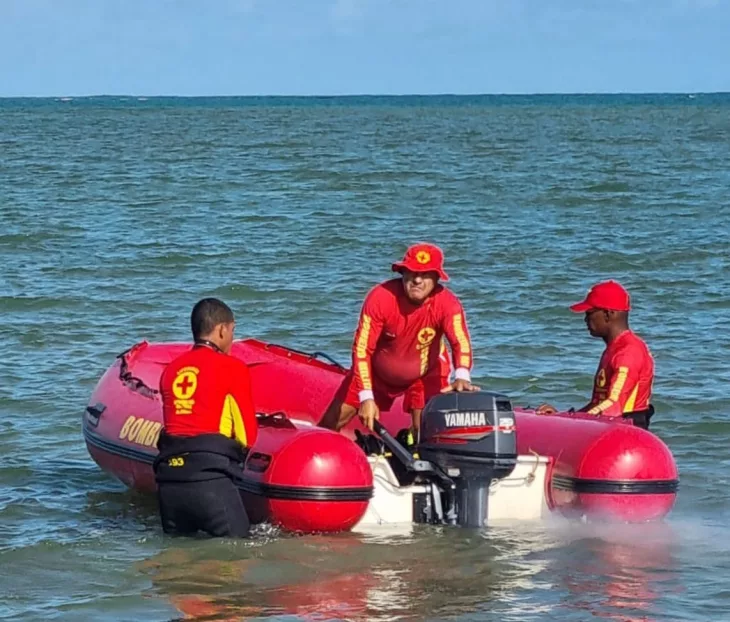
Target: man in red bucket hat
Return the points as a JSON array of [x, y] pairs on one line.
[[623, 382], [398, 343]]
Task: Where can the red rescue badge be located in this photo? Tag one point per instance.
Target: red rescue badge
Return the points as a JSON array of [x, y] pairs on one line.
[[183, 388]]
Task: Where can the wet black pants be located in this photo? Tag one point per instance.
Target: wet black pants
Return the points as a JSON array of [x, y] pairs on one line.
[[641, 417], [212, 506]]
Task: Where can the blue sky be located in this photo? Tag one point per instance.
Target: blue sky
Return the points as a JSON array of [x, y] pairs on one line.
[[304, 47]]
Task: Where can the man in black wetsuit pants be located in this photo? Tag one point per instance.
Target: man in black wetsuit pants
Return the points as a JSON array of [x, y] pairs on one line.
[[209, 424]]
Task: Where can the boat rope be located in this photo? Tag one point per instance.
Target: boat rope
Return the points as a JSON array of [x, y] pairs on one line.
[[310, 355], [529, 478], [131, 381]]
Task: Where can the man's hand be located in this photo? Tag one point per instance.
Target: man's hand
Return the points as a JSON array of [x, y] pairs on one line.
[[460, 385], [368, 413], [545, 409]]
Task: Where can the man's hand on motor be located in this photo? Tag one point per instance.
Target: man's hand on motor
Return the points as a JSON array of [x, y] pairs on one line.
[[368, 413], [459, 385]]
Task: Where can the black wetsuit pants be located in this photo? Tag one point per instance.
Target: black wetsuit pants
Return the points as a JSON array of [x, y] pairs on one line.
[[196, 489], [213, 506], [641, 417]]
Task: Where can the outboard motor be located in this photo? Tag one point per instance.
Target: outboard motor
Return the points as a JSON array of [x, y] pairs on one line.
[[471, 438]]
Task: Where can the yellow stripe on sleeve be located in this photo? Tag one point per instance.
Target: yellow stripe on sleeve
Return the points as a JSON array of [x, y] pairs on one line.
[[362, 340], [231, 425]]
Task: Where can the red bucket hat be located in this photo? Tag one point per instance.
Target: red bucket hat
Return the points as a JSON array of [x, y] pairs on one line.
[[423, 258], [608, 295]]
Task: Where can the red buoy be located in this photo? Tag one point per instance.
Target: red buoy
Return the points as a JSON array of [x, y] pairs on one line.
[[602, 468], [307, 480]]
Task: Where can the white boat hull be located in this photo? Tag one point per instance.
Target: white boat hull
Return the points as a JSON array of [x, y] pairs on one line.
[[517, 497]]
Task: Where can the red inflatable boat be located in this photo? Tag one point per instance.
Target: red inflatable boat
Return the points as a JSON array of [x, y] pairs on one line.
[[306, 478]]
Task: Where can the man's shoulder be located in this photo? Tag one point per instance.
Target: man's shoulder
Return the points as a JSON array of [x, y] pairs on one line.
[[232, 363], [385, 292], [230, 367], [445, 297], [640, 344], [634, 340], [205, 355], [632, 345], [181, 359], [177, 363]]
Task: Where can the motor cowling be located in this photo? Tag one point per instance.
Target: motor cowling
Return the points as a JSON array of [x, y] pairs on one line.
[[471, 437]]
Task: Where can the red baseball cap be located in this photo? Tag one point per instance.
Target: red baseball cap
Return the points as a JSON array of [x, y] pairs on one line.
[[423, 258], [608, 295]]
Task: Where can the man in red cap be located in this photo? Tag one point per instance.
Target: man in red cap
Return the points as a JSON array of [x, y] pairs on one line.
[[623, 383], [398, 342]]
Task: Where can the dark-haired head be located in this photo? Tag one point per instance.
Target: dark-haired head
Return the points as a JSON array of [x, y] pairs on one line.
[[212, 320]]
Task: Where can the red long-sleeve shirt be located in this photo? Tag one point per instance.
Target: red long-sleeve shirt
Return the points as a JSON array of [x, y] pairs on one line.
[[623, 382], [205, 391], [398, 342]]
